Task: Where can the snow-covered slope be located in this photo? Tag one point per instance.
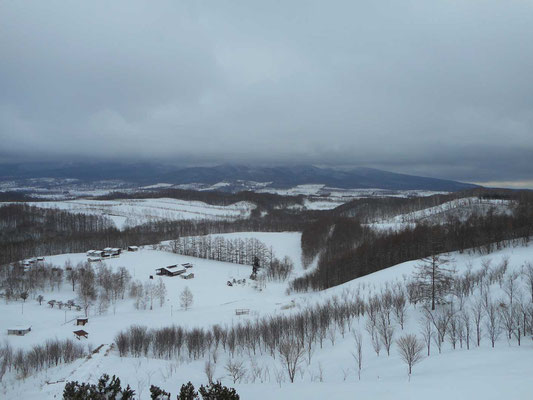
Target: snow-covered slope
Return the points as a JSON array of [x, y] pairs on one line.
[[131, 212], [481, 372]]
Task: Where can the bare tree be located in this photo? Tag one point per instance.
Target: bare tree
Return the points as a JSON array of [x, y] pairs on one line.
[[209, 370], [399, 303], [453, 330], [86, 287], [492, 323], [235, 369], [467, 324], [385, 331], [72, 273], [161, 292], [186, 298], [291, 352], [427, 331], [528, 272], [150, 291], [441, 320], [477, 314], [510, 286], [358, 353], [410, 349]]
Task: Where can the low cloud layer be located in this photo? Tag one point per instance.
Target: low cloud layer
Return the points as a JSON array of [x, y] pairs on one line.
[[440, 89]]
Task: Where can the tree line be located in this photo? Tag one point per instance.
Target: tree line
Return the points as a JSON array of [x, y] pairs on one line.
[[39, 357], [31, 231], [264, 201], [236, 250]]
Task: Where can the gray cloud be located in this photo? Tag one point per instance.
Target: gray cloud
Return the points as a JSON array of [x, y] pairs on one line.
[[435, 88]]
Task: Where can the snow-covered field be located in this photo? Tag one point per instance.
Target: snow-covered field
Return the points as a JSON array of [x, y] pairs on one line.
[[214, 301], [131, 212], [481, 372]]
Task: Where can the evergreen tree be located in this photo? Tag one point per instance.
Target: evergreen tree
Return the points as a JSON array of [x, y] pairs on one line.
[[433, 279], [215, 391], [187, 392], [156, 393]]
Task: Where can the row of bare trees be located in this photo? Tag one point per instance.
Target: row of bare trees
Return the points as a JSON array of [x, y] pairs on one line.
[[237, 250], [39, 357]]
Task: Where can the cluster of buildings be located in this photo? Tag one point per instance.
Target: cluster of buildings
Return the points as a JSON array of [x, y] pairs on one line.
[[175, 270], [108, 252], [28, 263]]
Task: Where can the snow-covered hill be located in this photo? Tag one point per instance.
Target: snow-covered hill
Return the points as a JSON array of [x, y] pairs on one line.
[[131, 212], [480, 372], [461, 208]]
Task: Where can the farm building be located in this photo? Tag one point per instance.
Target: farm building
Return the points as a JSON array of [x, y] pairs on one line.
[[19, 330], [81, 333], [82, 321], [188, 276], [171, 270], [133, 248], [187, 265], [95, 253]]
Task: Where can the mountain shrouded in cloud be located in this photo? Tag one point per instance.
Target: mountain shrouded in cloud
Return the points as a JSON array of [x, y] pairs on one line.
[[437, 89]]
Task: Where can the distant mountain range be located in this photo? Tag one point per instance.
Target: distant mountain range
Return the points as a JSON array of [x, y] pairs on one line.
[[234, 176]]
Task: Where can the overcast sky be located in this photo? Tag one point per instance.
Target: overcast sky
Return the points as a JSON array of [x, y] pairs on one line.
[[436, 88]]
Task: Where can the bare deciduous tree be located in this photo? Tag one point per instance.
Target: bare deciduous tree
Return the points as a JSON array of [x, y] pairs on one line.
[[358, 353], [477, 314], [492, 322], [235, 369], [528, 272], [410, 349], [186, 298], [427, 331], [209, 370], [86, 287], [399, 303], [467, 324], [291, 352], [385, 331]]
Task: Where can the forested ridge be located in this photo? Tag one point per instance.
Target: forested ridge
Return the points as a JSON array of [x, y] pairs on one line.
[[348, 250]]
